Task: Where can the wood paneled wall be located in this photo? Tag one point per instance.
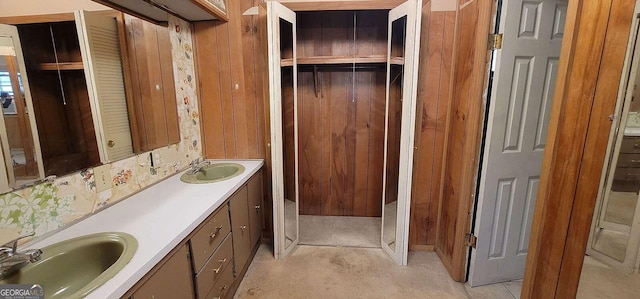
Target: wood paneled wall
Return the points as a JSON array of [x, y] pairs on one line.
[[230, 61], [231, 98], [341, 114], [341, 141], [463, 133], [434, 82]]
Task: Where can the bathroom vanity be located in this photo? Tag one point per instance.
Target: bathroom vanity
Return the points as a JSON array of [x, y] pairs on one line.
[[194, 240]]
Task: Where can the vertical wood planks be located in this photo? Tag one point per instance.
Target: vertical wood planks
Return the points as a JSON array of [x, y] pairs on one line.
[[433, 98], [231, 92]]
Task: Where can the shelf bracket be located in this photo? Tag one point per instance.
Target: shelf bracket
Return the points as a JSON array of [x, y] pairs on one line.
[[315, 80]]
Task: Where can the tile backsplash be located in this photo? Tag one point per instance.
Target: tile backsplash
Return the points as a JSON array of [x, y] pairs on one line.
[[50, 206]]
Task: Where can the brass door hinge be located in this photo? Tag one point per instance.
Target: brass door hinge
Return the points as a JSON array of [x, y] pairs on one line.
[[495, 41], [470, 240]]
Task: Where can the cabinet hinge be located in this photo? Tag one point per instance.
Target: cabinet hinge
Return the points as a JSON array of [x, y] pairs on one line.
[[495, 41], [470, 240]]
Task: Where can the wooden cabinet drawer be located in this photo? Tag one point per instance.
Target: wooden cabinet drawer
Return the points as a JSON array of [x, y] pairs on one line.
[[629, 160], [209, 236], [630, 145], [222, 285], [215, 267], [627, 174]]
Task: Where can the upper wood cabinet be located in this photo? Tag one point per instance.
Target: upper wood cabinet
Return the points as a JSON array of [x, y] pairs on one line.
[[158, 11], [152, 104]]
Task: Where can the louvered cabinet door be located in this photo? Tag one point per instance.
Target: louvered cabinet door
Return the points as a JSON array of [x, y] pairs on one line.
[[100, 47]]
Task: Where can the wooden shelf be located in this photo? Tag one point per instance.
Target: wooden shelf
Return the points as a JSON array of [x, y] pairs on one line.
[[335, 60], [397, 60], [63, 66]]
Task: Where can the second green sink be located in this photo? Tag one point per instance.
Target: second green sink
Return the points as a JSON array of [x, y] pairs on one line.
[[75, 267], [213, 173]]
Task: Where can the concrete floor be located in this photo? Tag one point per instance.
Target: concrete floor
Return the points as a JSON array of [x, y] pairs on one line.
[[340, 231], [347, 272]]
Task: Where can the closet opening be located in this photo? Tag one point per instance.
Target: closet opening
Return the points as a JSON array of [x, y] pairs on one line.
[[341, 107]]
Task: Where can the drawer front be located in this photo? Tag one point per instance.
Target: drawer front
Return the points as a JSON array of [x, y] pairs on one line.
[[630, 145], [209, 236], [627, 174], [215, 268], [222, 286], [629, 160]]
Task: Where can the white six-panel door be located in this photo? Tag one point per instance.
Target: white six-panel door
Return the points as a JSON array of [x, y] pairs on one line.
[[521, 96]]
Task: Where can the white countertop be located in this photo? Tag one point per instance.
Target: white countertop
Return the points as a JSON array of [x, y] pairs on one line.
[[159, 217]]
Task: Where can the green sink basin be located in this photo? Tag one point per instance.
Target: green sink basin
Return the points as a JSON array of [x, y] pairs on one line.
[[75, 267], [213, 173]]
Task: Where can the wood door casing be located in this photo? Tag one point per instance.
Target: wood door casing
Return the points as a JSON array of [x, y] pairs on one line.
[[579, 132]]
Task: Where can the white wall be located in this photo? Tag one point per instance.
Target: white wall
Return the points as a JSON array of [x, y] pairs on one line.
[[43, 7]]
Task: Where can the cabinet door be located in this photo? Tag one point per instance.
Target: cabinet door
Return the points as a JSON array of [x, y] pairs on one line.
[[153, 95], [172, 280], [240, 228], [254, 188], [100, 46]]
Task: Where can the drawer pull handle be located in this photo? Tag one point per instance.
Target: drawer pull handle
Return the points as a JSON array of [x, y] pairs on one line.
[[635, 161], [243, 227], [214, 234], [222, 261], [636, 145], [222, 291], [257, 207]]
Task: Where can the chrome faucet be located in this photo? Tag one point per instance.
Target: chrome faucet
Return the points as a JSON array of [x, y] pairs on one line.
[[11, 260], [196, 164]]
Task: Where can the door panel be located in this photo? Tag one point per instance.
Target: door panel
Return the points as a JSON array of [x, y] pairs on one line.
[[525, 72], [402, 50], [100, 45], [283, 69]]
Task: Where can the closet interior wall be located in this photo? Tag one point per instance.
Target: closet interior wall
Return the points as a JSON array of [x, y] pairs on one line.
[[341, 109]]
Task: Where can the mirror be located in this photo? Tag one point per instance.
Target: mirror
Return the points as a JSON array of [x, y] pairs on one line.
[[18, 148], [394, 124], [94, 96]]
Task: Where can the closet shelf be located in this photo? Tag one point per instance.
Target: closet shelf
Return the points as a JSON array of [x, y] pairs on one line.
[[397, 60], [63, 66], [335, 60]]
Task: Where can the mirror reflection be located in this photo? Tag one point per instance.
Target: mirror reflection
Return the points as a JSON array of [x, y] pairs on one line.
[[20, 155], [288, 133], [394, 122], [94, 96]]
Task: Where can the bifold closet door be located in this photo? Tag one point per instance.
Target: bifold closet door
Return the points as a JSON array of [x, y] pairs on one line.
[[403, 48], [283, 69]]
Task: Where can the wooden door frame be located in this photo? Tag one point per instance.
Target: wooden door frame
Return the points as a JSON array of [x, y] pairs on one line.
[[576, 144]]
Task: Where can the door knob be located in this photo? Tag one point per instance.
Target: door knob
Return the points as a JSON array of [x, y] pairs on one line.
[[111, 143]]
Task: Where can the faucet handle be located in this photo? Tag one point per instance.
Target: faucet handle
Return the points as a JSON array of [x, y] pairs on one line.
[[196, 161], [13, 244]]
